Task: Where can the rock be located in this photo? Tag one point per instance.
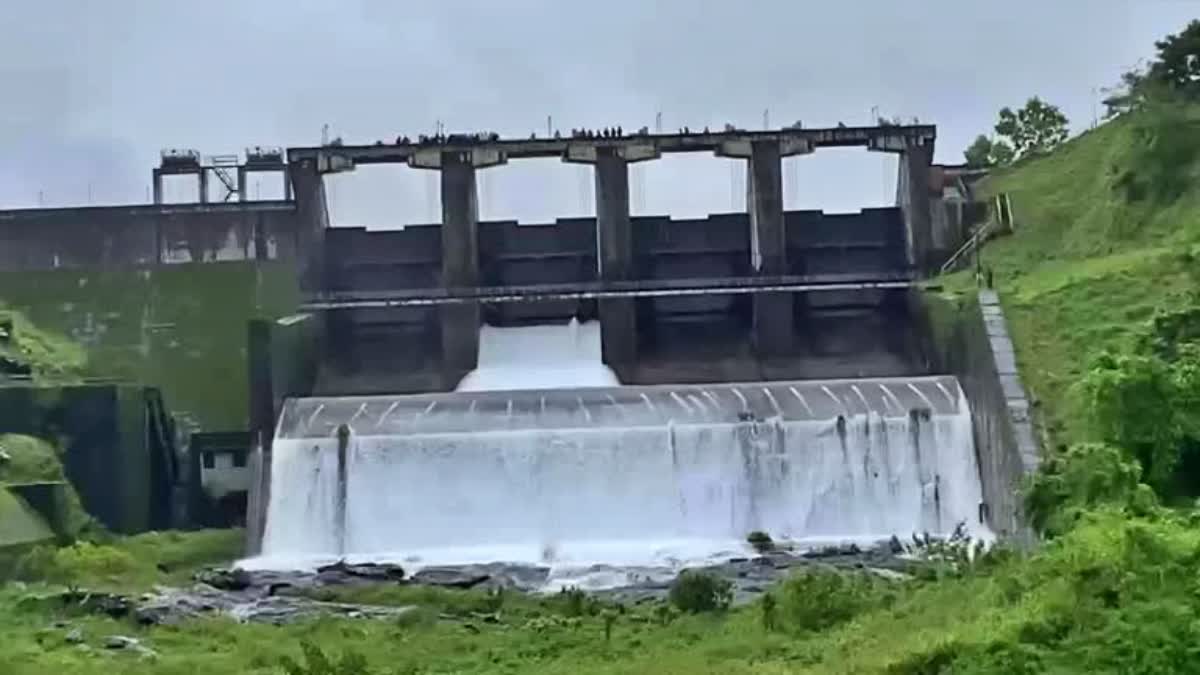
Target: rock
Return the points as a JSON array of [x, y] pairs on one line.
[[226, 580], [890, 575], [895, 546], [450, 577], [74, 636], [109, 604], [125, 643], [121, 642], [372, 571]]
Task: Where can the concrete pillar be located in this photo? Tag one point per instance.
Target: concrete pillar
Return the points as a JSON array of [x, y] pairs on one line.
[[203, 179], [312, 215], [614, 255], [157, 186], [241, 184], [460, 263], [773, 316], [287, 186], [916, 163]]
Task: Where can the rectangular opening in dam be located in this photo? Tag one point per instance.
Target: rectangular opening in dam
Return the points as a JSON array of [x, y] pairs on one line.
[[383, 197], [687, 185], [839, 180], [536, 190]]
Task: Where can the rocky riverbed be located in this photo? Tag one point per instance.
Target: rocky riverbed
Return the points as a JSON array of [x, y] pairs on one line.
[[286, 596]]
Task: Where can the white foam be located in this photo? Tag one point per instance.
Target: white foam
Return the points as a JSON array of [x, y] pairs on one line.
[[635, 498], [539, 357]]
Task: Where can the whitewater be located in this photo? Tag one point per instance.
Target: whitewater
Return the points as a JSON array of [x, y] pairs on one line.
[[576, 471]]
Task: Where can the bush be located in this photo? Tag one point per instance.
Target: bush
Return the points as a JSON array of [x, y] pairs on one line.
[[699, 591], [81, 563], [761, 541], [813, 600], [1082, 477]]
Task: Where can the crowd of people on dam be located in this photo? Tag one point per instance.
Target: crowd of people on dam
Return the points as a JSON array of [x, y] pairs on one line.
[[483, 137]]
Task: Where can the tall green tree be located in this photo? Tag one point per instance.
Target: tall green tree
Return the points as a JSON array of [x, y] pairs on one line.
[[1035, 129], [985, 152], [1178, 63]]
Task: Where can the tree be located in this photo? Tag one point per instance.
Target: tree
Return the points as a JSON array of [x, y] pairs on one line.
[[985, 152], [1127, 95], [1035, 129], [1178, 63]]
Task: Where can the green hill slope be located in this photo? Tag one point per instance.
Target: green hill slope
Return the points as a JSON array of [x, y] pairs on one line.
[[1107, 233]]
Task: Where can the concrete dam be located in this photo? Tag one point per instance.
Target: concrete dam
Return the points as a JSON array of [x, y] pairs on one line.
[[612, 390]]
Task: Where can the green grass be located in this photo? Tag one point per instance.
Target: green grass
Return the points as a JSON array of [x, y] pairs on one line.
[[1054, 612], [1085, 267], [132, 564]]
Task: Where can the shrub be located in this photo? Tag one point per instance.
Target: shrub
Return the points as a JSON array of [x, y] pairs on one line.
[[1083, 476], [80, 563], [761, 541], [818, 599], [699, 591]]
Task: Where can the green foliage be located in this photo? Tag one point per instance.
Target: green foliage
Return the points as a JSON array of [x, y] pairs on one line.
[[48, 357], [131, 562], [985, 152], [1081, 478], [28, 460], [1177, 65], [700, 591], [761, 541], [1160, 163], [768, 605], [316, 662], [1035, 129], [817, 599]]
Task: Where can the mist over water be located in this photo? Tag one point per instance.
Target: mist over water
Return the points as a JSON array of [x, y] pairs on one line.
[[571, 495]]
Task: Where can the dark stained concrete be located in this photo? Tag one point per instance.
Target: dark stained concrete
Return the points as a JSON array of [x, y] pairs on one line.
[[460, 262], [614, 237]]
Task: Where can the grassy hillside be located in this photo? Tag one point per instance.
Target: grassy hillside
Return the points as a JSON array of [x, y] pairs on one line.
[[1102, 242]]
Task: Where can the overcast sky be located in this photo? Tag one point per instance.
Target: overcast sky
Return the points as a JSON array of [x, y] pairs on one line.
[[90, 91]]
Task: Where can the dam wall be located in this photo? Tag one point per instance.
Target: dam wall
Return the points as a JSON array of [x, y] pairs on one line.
[[969, 338], [130, 236], [181, 327], [684, 338]]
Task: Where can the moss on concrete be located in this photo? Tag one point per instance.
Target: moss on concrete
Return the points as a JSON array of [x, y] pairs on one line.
[[180, 327], [49, 357], [25, 459]]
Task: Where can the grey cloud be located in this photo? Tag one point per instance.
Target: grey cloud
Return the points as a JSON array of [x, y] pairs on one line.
[[97, 88]]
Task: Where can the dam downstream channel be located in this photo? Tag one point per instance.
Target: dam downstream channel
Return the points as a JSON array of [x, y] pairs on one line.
[[658, 477]]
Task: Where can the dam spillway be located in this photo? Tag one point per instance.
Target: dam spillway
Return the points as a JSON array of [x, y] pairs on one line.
[[620, 475]]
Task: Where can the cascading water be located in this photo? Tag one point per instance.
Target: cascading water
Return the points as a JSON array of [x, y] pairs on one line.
[[621, 475]]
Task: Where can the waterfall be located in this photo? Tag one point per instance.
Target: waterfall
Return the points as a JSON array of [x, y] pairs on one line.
[[469, 480], [541, 456]]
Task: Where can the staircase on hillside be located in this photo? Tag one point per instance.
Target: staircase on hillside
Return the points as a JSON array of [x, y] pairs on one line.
[[1001, 222]]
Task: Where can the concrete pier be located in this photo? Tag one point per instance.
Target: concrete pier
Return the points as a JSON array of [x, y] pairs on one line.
[[460, 262], [312, 215], [773, 313], [915, 167], [614, 242]]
